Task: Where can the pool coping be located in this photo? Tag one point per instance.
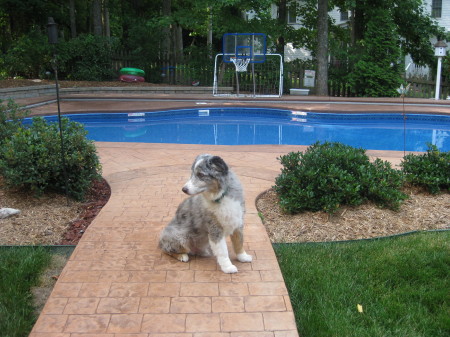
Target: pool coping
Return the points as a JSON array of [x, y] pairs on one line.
[[73, 103]]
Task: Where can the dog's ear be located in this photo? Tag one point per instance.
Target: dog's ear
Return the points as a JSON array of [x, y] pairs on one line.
[[219, 164]]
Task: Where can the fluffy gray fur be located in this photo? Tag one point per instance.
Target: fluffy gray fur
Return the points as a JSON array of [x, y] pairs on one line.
[[215, 209]]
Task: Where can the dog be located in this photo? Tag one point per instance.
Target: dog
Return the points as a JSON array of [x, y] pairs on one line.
[[214, 210]]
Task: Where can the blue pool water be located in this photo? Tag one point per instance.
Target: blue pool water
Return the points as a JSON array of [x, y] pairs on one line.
[[247, 126]]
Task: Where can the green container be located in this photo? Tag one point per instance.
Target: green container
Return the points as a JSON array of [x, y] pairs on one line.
[[132, 71]]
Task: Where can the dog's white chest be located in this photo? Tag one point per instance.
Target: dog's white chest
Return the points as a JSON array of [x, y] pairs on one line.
[[229, 213]]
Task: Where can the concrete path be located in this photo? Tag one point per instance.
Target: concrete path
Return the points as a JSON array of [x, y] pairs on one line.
[[118, 283]]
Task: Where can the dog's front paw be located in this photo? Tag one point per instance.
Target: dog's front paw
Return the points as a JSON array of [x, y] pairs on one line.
[[183, 257], [231, 269], [244, 257]]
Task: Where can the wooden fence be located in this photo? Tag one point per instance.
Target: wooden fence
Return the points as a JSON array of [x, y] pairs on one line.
[[166, 72], [418, 88], [203, 73], [427, 89]]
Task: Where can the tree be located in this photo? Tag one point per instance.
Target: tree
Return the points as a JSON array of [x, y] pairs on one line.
[[107, 28], [377, 69], [381, 32], [322, 48], [97, 17], [73, 21], [282, 19]]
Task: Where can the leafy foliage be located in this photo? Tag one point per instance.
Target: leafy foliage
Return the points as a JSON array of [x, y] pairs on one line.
[[430, 170], [31, 158], [376, 72], [87, 57], [28, 56], [369, 56], [153, 31], [329, 175], [10, 119], [416, 27]]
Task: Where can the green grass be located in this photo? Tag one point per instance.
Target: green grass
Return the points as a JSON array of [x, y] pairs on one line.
[[402, 284], [20, 268]]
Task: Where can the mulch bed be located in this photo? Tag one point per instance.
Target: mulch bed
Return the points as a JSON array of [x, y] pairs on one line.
[[422, 211], [97, 197], [49, 219]]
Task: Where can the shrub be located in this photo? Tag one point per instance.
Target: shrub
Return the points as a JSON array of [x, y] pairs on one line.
[[10, 119], [430, 170], [32, 158], [329, 175], [29, 56], [86, 58]]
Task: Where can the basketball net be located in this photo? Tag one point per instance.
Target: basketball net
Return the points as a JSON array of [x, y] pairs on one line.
[[240, 63]]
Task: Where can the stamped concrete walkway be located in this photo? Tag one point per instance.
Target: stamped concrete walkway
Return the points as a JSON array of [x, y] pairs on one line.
[[118, 284]]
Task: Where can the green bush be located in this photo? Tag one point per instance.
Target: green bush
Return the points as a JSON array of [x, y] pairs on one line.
[[86, 58], [29, 56], [430, 170], [329, 175], [10, 119], [32, 160]]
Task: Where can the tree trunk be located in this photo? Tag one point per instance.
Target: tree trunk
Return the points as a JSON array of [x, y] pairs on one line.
[[73, 21], [282, 17], [178, 43], [97, 17], [166, 42], [357, 23], [209, 38], [107, 28], [322, 48]]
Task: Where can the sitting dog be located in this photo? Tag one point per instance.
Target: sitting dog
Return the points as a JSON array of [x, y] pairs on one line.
[[215, 210]]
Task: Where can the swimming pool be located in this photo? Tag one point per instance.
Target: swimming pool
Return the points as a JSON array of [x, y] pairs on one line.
[[248, 126]]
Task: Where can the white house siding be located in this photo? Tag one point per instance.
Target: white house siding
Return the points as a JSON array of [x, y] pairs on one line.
[[444, 20], [291, 53]]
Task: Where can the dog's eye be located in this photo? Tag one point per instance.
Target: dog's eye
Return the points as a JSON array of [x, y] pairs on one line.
[[201, 175]]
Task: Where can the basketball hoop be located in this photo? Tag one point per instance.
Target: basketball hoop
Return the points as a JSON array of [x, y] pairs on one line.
[[240, 63]]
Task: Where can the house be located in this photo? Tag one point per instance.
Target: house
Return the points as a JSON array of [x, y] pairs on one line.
[[439, 10]]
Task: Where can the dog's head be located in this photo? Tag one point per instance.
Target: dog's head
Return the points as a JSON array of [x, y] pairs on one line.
[[208, 174]]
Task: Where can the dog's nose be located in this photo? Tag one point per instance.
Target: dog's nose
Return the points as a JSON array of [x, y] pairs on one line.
[[185, 190]]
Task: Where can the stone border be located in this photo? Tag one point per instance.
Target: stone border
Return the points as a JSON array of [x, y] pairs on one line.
[[27, 92], [43, 90]]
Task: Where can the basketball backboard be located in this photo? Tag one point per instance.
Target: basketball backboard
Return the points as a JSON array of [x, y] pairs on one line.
[[244, 45]]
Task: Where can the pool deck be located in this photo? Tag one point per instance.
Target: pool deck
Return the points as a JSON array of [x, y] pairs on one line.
[[118, 284]]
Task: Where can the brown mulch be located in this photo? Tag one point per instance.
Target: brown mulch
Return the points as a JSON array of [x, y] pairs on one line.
[[97, 197], [50, 219], [421, 211]]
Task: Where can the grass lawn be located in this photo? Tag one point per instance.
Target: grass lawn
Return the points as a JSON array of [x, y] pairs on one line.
[[20, 268], [401, 284]]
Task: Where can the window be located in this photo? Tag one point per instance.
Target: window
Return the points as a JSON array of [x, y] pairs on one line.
[[344, 16], [291, 15], [436, 8]]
